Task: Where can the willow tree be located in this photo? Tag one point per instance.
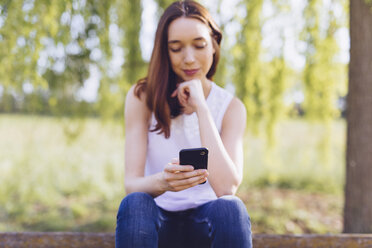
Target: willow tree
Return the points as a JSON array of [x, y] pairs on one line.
[[23, 27], [47, 46], [126, 17], [130, 21], [321, 74], [51, 47], [248, 68], [277, 75]]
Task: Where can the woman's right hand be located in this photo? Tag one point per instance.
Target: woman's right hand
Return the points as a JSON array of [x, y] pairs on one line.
[[178, 177]]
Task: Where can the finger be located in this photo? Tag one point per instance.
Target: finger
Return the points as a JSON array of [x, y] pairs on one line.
[[177, 168], [189, 183], [183, 96], [186, 175], [174, 93], [182, 101], [185, 91], [175, 161]]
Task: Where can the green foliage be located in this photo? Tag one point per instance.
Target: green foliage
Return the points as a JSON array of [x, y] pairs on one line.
[[321, 70], [163, 4], [54, 44], [260, 84], [129, 18], [276, 85], [296, 163], [248, 77], [51, 184], [321, 74], [49, 48]]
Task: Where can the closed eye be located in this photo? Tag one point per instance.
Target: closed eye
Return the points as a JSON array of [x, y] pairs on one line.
[[200, 44], [175, 50]]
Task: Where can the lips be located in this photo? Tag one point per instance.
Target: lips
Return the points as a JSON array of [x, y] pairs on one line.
[[191, 72]]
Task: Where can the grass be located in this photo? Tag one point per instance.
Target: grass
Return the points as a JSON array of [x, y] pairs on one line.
[[51, 181], [304, 157]]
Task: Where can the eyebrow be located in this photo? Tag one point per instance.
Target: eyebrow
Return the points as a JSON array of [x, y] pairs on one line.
[[178, 41]]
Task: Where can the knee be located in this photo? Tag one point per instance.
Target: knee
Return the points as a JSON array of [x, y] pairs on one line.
[[231, 222], [136, 202], [231, 206]]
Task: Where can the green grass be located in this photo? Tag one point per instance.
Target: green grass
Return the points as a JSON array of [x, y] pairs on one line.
[[50, 181], [304, 157]]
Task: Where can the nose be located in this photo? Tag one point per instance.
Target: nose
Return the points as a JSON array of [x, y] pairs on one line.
[[189, 56]]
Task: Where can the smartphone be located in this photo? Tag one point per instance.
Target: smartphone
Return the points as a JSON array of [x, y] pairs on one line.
[[197, 157]]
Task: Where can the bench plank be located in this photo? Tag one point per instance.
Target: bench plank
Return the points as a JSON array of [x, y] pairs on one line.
[[56, 239], [312, 241], [106, 240]]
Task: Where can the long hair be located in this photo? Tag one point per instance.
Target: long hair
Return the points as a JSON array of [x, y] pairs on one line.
[[161, 80]]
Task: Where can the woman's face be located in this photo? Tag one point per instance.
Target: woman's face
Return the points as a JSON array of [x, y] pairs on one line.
[[190, 48]]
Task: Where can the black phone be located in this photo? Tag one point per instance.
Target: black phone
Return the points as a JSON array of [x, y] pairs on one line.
[[197, 157]]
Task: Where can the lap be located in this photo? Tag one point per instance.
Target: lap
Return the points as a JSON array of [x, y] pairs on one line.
[[226, 216], [180, 229], [197, 227]]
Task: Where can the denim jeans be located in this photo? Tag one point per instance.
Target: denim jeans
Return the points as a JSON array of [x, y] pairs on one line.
[[223, 222]]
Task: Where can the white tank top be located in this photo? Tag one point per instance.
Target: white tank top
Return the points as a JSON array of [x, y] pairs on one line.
[[184, 133]]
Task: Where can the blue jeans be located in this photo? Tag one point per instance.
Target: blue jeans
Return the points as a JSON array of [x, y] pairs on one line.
[[223, 222]]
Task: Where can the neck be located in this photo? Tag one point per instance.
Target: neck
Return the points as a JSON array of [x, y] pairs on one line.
[[207, 86]]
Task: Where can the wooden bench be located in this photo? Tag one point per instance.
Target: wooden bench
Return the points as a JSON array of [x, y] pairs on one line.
[[103, 240]]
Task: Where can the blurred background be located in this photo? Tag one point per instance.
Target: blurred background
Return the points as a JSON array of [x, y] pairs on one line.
[[65, 69]]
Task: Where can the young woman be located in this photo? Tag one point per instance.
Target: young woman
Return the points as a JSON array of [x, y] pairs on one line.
[[179, 106]]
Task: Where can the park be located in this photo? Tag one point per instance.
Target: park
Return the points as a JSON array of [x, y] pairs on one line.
[[303, 71]]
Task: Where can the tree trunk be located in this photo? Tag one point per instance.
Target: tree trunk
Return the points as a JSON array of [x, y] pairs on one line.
[[358, 189]]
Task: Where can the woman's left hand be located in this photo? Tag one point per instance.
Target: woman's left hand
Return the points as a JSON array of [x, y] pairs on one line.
[[190, 95]]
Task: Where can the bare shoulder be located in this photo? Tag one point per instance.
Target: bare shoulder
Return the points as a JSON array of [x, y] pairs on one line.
[[235, 109], [235, 115], [132, 95], [135, 107]]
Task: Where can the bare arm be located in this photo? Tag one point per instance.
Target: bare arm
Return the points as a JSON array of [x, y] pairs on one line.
[[137, 117], [225, 151], [174, 177]]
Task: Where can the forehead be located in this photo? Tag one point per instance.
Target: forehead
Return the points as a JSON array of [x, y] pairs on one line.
[[184, 28]]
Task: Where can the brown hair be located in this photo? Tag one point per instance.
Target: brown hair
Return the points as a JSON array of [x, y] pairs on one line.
[[161, 81]]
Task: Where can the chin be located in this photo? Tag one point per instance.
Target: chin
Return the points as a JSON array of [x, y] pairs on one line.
[[189, 78]]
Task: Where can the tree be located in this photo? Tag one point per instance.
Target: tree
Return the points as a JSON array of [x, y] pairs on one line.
[[56, 44], [320, 75], [48, 46], [126, 15], [320, 69], [248, 67], [358, 189]]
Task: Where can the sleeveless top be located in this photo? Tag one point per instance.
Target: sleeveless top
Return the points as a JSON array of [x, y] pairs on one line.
[[184, 133]]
